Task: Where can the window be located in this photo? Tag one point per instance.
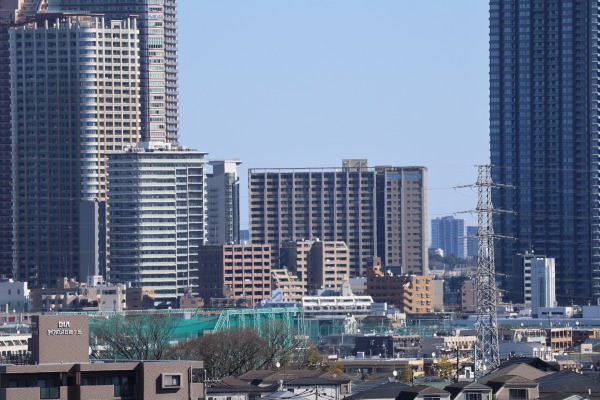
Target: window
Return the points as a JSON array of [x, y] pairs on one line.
[[517, 394], [49, 388], [170, 381], [473, 396]]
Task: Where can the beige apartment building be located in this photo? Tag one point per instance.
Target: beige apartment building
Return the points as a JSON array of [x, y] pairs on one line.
[[294, 257], [377, 211], [317, 264], [288, 284], [234, 271]]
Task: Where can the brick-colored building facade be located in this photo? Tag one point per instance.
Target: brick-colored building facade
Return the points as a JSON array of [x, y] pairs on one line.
[[234, 271], [412, 294]]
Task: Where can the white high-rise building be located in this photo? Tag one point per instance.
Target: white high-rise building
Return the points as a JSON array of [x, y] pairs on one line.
[[543, 278], [156, 218]]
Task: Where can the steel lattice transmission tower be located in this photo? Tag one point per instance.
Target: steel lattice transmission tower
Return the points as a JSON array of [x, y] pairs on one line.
[[487, 351]]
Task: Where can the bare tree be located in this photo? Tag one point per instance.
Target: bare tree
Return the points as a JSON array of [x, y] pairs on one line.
[[226, 353], [236, 351], [139, 337]]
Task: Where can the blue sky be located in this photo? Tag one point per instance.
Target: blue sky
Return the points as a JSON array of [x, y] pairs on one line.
[[306, 83]]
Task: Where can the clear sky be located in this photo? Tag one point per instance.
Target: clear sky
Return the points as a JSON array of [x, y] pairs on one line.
[[306, 83]]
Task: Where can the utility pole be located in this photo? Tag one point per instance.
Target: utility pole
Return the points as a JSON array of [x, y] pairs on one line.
[[486, 347]]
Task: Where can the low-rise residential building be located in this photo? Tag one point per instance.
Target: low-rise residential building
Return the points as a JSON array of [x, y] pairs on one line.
[[385, 391], [469, 391], [525, 349], [580, 335], [14, 348], [450, 344], [288, 284], [375, 367], [300, 384], [14, 296], [69, 295], [559, 339], [522, 335], [423, 392], [140, 298], [60, 369], [510, 387]]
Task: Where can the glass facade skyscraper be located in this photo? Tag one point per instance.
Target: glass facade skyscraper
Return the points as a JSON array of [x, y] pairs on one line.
[[544, 138]]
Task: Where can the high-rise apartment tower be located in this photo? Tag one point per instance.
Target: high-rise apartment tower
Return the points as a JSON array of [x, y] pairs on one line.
[[157, 22], [327, 204], [156, 219], [375, 211], [11, 12], [544, 137], [74, 100]]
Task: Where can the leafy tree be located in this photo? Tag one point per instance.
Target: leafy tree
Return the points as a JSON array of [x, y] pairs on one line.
[[336, 368], [315, 359], [444, 368], [405, 374], [138, 337]]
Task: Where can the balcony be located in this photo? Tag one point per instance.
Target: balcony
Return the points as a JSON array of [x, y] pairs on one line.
[[34, 393]]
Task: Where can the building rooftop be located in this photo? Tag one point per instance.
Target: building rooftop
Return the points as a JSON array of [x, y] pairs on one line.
[[387, 390]]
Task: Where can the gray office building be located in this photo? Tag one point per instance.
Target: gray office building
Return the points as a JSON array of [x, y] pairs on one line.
[[544, 138]]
